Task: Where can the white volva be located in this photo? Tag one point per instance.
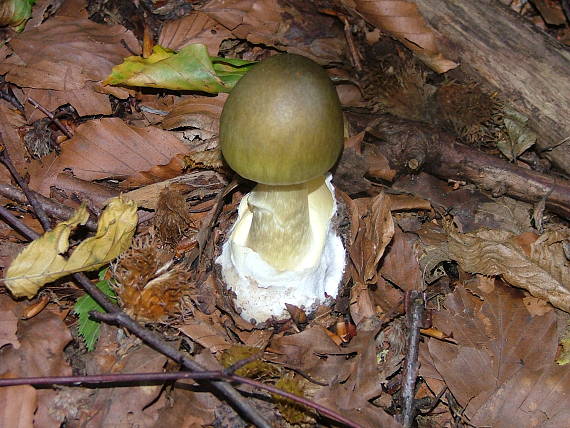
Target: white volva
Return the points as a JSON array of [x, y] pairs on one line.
[[261, 289]]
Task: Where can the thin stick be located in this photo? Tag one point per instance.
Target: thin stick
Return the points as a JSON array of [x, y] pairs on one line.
[[54, 119], [38, 208], [173, 376], [414, 315], [53, 208]]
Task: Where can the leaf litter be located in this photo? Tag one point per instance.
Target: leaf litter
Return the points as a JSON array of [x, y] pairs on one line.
[[497, 345]]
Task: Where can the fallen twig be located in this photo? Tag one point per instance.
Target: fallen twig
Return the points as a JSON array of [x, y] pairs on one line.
[[414, 315], [54, 119], [224, 375], [51, 207]]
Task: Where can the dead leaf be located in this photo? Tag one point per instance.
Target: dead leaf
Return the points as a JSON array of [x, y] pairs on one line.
[[521, 137], [66, 54], [270, 22], [545, 274], [206, 334], [11, 121], [498, 342], [305, 351], [8, 322], [400, 265], [197, 112], [403, 20], [159, 175], [551, 11], [106, 148], [120, 406], [42, 261], [18, 404], [532, 398], [197, 27], [374, 234], [361, 306], [43, 339]]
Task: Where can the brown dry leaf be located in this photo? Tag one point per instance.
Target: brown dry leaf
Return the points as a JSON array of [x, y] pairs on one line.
[[352, 397], [157, 174], [403, 20], [198, 112], [43, 339], [374, 234], [192, 408], [208, 182], [299, 28], [18, 404], [551, 11], [67, 55], [106, 148], [545, 273], [12, 119], [305, 351], [8, 322], [194, 28], [120, 406], [502, 368], [400, 265], [207, 334], [361, 303]]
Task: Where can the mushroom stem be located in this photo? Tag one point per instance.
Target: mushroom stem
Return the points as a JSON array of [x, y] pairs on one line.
[[280, 231]]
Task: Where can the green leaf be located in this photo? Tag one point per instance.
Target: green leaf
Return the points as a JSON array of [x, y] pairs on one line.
[[88, 328], [191, 69]]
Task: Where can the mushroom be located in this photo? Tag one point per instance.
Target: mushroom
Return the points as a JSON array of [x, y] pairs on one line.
[[282, 127]]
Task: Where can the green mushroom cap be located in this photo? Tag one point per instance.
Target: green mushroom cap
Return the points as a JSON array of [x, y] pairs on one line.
[[282, 123]]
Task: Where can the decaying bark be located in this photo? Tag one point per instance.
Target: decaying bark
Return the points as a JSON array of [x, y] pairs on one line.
[[527, 66], [411, 147]]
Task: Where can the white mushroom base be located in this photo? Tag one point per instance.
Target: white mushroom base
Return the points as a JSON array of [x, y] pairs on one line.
[[261, 290]]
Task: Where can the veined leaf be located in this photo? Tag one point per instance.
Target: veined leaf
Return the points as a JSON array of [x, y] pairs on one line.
[[191, 69]]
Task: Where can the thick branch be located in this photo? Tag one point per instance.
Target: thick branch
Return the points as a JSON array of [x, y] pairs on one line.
[[411, 147], [527, 66]]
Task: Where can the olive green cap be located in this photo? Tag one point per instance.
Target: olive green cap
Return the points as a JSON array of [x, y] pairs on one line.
[[282, 123]]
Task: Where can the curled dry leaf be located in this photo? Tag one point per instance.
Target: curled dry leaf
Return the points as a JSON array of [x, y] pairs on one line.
[[11, 121], [206, 334], [196, 112], [400, 265], [544, 272], [42, 261], [403, 20]]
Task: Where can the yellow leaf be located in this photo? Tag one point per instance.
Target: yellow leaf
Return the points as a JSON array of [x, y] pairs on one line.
[[41, 261]]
